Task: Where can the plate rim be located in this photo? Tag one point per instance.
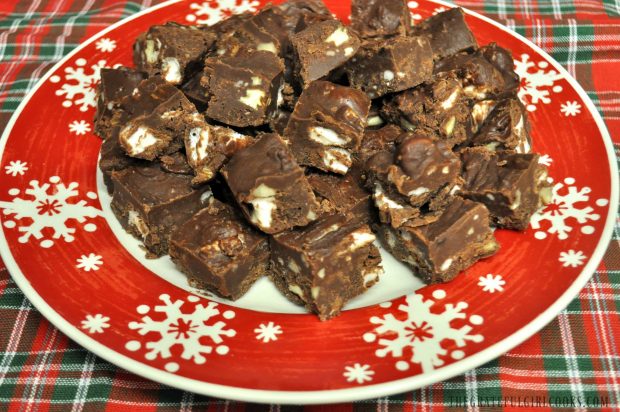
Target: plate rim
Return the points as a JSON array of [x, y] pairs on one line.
[[329, 395]]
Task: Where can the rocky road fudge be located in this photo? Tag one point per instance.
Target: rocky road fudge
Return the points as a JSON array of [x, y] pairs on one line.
[[325, 264], [343, 195], [390, 66], [448, 33], [327, 125], [505, 128], [150, 203], [454, 241], [172, 50], [321, 48], [512, 185], [380, 18], [270, 187], [220, 252]]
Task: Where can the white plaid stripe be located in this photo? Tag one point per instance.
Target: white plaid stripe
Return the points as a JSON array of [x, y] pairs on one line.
[[16, 334], [39, 380], [84, 383], [571, 363]]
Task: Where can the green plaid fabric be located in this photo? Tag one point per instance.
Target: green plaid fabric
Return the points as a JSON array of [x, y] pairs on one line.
[[558, 368]]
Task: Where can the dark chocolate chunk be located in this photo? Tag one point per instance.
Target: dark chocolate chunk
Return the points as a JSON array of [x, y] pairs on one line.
[[172, 50], [341, 195], [327, 125], [325, 264], [513, 186], [270, 187], [391, 66], [150, 203], [438, 251], [448, 33], [505, 128], [380, 18], [219, 252]]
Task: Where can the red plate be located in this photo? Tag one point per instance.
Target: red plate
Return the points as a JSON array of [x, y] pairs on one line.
[[68, 254]]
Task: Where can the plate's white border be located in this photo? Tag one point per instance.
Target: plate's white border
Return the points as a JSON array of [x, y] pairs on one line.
[[337, 395]]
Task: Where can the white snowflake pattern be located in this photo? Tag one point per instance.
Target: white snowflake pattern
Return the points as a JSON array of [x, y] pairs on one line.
[[89, 262], [569, 206], [47, 211], [358, 373], [571, 108], [80, 128], [182, 328], [572, 258], [412, 6], [536, 82], [491, 283], [421, 337], [105, 45], [16, 167], [96, 324], [212, 11], [545, 160], [440, 9], [268, 332], [80, 87]]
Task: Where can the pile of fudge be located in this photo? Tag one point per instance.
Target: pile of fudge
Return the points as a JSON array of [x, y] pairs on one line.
[[283, 143]]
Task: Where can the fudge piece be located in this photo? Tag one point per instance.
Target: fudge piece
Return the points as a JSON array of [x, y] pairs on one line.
[[113, 158], [341, 195], [219, 252], [278, 124], [325, 264], [506, 127], [294, 11], [197, 91], [172, 50], [321, 48], [150, 203], [270, 187], [391, 66], [115, 84], [208, 147], [378, 140], [176, 163], [502, 60], [327, 125], [447, 32], [148, 134], [439, 107], [438, 251], [513, 186], [244, 89], [380, 18]]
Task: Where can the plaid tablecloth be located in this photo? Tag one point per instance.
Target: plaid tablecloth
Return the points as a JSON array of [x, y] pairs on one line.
[[41, 369]]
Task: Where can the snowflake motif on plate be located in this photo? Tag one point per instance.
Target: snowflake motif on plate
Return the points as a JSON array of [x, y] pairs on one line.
[[198, 332], [572, 258], [16, 167], [105, 45], [569, 207], [419, 337], [537, 82], [545, 160], [89, 262], [412, 6], [80, 85], [570, 108], [491, 283], [79, 128], [47, 210], [358, 373], [95, 324], [212, 11], [268, 332]]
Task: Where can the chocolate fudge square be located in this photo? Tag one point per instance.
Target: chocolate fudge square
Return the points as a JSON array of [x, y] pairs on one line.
[[321, 48], [115, 84], [380, 18], [325, 264], [390, 66], [172, 50], [244, 89], [295, 12], [440, 106], [270, 187], [378, 140], [448, 33], [113, 158], [150, 203], [513, 186], [341, 195], [219, 252], [262, 32], [208, 147], [438, 251], [505, 128], [327, 125]]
